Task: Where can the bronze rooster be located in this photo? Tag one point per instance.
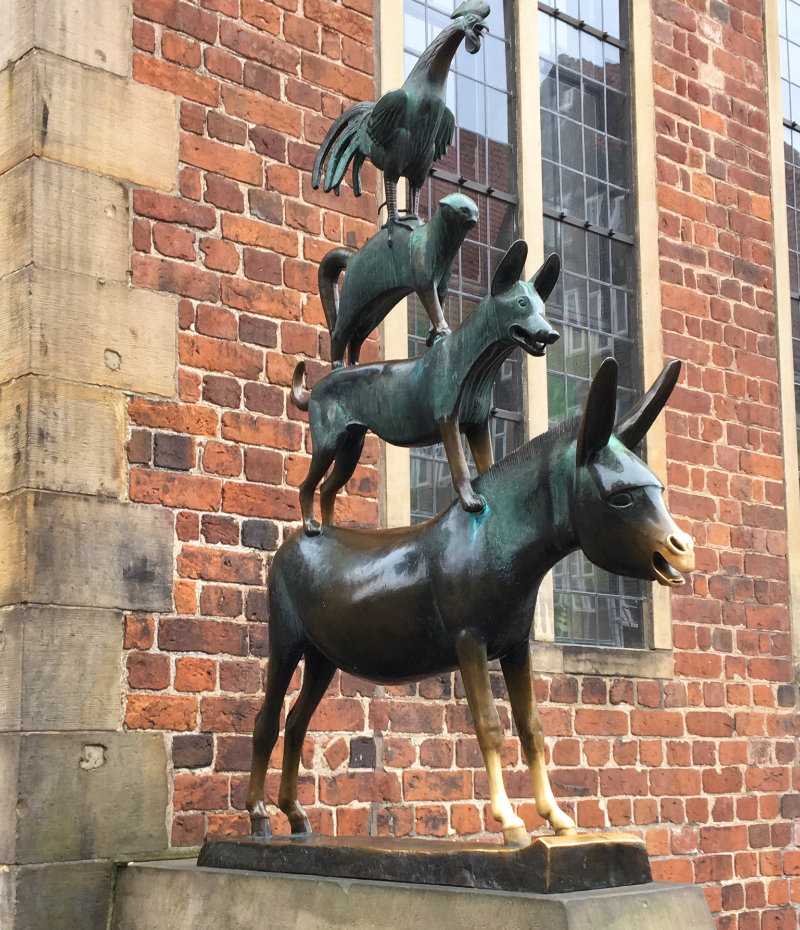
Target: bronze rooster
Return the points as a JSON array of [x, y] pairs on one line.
[[408, 129]]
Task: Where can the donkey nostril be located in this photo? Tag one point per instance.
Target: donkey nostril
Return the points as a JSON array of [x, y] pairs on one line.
[[676, 545], [550, 338]]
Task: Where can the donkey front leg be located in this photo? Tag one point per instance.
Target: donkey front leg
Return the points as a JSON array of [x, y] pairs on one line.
[[451, 439], [519, 680], [474, 667]]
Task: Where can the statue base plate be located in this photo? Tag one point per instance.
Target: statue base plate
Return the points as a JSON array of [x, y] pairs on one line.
[[549, 865]]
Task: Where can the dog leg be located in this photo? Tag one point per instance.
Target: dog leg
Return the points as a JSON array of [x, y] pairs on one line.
[[480, 445], [451, 437], [344, 466], [320, 462]]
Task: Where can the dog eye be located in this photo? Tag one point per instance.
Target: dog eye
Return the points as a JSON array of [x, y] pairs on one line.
[[621, 499]]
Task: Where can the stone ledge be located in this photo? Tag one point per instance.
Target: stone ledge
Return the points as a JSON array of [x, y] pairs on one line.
[[184, 897]]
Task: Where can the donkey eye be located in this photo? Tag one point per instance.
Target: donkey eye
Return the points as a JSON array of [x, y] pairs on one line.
[[621, 499], [522, 301]]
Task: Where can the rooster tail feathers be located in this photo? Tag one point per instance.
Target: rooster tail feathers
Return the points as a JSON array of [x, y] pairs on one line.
[[346, 126], [300, 393], [332, 265]]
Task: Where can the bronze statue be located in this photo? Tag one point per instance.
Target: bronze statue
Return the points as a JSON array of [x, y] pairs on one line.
[[408, 129], [379, 275], [399, 605], [415, 402]]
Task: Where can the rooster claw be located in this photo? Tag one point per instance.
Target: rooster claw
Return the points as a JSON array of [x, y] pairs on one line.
[[435, 335]]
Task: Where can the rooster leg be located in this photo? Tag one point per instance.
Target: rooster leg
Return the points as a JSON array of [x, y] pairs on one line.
[[391, 206], [412, 202]]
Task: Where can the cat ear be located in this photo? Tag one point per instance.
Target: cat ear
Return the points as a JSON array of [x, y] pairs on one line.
[[632, 428], [510, 268], [546, 277], [598, 415]]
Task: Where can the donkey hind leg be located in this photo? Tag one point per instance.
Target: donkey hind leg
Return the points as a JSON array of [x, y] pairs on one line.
[[316, 678], [280, 669], [473, 663], [346, 460], [480, 445], [519, 680], [321, 459]]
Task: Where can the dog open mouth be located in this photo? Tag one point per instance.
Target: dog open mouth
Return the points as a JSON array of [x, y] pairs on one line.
[[665, 573], [533, 343]]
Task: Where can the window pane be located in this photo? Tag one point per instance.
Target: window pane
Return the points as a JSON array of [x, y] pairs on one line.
[[588, 180]]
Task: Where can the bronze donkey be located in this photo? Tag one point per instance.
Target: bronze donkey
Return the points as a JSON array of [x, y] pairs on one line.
[[381, 273], [418, 401], [399, 605]]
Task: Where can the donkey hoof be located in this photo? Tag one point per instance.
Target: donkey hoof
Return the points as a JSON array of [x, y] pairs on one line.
[[516, 836], [259, 822], [300, 826]]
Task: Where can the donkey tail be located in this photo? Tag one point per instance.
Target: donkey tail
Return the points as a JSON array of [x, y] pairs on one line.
[[331, 266], [300, 393]]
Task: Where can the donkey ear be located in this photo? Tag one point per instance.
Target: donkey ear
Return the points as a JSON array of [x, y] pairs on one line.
[[632, 428], [510, 268], [545, 278], [598, 415]]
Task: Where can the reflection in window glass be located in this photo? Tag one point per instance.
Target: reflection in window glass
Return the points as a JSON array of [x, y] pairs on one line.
[[586, 175], [789, 28], [483, 155]]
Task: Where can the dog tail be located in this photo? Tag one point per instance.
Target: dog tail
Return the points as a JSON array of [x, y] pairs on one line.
[[331, 266], [300, 393]]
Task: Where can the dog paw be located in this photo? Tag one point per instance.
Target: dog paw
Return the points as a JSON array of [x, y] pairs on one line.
[[473, 503], [434, 335]]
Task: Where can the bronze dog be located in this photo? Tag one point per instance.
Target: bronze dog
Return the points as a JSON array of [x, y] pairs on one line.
[[419, 401], [420, 258]]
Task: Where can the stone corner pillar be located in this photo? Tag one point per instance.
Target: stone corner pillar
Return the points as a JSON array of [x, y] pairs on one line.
[[76, 789]]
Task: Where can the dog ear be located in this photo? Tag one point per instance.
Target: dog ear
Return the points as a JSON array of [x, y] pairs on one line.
[[598, 414], [510, 268], [546, 277]]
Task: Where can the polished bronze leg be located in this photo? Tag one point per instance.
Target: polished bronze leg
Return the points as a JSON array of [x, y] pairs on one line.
[[316, 678], [475, 672], [480, 445], [519, 680], [451, 439], [346, 461]]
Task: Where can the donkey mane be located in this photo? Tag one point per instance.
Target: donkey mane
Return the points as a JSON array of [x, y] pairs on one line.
[[533, 450]]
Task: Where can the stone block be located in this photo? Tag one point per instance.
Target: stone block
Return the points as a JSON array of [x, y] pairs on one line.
[[91, 119], [79, 551], [63, 218], [60, 668], [183, 897], [85, 795], [82, 328], [96, 33], [61, 436], [64, 895]]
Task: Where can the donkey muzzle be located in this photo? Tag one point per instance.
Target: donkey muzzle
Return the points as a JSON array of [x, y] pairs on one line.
[[673, 556]]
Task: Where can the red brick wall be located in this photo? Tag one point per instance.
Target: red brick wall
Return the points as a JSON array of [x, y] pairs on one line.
[[702, 765]]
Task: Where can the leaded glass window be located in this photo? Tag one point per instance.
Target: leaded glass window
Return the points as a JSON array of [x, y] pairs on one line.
[[481, 163], [789, 29], [588, 208]]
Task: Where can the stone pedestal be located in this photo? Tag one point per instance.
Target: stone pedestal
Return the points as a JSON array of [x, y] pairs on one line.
[[182, 896]]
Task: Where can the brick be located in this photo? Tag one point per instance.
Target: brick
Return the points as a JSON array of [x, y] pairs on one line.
[[264, 235], [225, 392], [181, 16], [173, 451], [260, 534], [192, 751], [162, 712], [263, 431], [217, 528], [198, 351], [172, 78], [219, 565], [139, 632], [179, 634], [221, 159], [221, 458], [148, 671], [173, 490], [193, 674], [220, 601], [258, 331], [160, 274], [219, 255]]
